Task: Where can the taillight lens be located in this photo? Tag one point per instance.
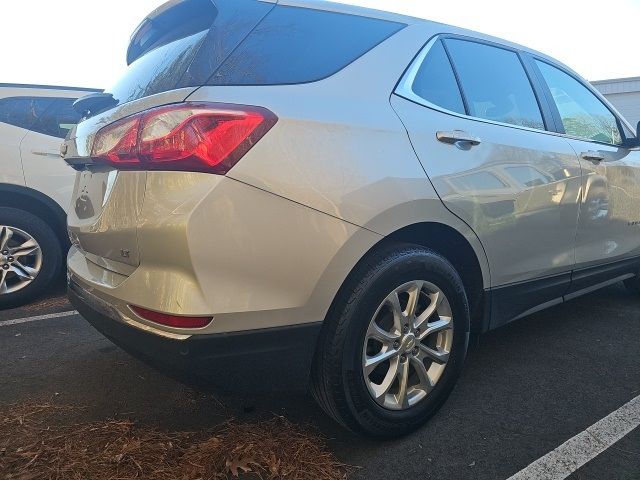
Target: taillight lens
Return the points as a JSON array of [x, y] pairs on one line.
[[175, 321], [196, 137]]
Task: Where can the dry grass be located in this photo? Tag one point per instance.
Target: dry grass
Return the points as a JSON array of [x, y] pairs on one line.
[[43, 442]]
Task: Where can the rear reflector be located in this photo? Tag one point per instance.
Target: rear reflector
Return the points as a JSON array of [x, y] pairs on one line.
[[193, 137], [168, 320]]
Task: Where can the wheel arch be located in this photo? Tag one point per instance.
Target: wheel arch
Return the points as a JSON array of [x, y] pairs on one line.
[[453, 245], [38, 204]]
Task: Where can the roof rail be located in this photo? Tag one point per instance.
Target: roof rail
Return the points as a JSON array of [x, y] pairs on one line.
[[48, 87]]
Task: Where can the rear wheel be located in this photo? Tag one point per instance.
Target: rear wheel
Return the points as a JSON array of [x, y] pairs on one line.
[[30, 257], [394, 344]]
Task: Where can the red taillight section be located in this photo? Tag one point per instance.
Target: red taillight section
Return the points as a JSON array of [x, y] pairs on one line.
[[175, 321], [195, 137]]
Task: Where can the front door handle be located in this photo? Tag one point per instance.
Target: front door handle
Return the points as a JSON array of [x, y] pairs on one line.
[[458, 137], [592, 156]]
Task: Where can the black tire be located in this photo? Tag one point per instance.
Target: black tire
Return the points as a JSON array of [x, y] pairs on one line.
[[51, 255], [337, 380], [633, 285]]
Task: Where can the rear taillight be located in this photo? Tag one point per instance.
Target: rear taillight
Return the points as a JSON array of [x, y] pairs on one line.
[[175, 321], [195, 137]]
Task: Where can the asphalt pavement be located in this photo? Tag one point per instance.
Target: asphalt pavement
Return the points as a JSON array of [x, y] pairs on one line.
[[526, 389]]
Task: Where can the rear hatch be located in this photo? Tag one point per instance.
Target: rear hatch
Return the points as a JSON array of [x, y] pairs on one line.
[[175, 50]]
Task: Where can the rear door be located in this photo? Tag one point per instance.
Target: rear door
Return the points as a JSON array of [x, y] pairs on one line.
[[44, 168], [608, 237], [478, 128], [18, 112]]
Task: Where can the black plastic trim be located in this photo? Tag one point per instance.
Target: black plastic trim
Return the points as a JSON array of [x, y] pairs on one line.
[[514, 301], [265, 359], [584, 279], [517, 300]]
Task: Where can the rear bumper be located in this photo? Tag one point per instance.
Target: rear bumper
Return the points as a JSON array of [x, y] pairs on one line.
[[258, 360]]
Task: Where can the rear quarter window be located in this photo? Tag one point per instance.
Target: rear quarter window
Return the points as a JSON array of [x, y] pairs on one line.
[[299, 45], [159, 70]]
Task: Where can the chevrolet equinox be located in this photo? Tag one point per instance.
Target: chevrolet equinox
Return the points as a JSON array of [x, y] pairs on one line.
[[289, 187]]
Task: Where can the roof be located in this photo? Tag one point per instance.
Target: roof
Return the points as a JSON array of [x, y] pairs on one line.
[[396, 17], [351, 9], [48, 87]]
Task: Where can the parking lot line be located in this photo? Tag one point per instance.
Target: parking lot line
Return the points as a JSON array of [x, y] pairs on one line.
[[577, 451], [38, 318]]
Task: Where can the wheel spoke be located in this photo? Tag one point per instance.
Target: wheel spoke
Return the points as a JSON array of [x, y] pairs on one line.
[[440, 325], [27, 248], [439, 356], [24, 272], [423, 375], [396, 309], [379, 391], [436, 301], [377, 333], [5, 235], [372, 363], [3, 281], [414, 297], [403, 380]]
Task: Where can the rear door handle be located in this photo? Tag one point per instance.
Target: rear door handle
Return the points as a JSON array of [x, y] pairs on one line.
[[458, 137], [46, 154], [592, 156]]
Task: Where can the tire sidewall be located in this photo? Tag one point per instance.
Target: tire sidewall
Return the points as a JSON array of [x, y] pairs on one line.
[[51, 254], [414, 264]]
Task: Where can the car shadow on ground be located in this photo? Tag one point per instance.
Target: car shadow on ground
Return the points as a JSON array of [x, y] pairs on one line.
[[526, 388]]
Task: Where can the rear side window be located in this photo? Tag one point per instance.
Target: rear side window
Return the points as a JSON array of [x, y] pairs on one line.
[[159, 70], [300, 45], [436, 83], [495, 84], [23, 112], [58, 119], [583, 114], [190, 43]]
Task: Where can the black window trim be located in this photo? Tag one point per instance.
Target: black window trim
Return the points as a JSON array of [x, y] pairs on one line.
[[554, 108], [404, 87]]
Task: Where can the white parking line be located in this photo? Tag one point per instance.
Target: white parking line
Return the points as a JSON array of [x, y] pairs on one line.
[[38, 318], [575, 452]]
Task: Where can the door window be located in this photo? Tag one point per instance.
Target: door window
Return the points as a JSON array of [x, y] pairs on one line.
[[23, 112], [436, 83], [58, 119], [495, 84], [583, 114]]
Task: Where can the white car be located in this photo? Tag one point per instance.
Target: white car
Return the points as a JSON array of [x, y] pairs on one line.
[[35, 186]]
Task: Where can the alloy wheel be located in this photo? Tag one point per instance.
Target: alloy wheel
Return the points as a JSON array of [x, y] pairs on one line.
[[407, 345], [20, 259]]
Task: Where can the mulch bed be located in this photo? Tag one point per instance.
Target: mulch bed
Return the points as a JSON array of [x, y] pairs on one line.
[[42, 441]]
